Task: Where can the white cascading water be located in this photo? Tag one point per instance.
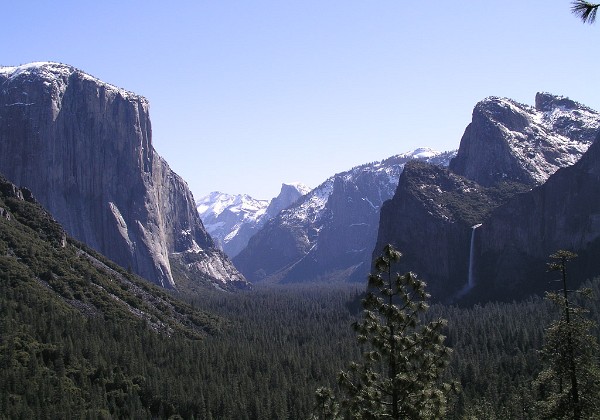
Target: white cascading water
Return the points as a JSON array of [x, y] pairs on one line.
[[471, 279]]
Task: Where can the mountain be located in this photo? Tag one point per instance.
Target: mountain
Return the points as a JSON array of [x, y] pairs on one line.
[[232, 219], [84, 148], [38, 254], [328, 234], [227, 217], [508, 141], [288, 195], [437, 217]]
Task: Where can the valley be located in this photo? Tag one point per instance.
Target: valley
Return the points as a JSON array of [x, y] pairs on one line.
[[123, 297]]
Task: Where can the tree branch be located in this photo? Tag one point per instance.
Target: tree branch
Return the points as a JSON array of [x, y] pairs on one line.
[[585, 10]]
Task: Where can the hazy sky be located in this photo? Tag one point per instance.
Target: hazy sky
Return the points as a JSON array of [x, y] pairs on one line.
[[245, 95]]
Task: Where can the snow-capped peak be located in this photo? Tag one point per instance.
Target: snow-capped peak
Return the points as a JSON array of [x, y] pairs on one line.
[[310, 208], [421, 153], [524, 143], [232, 219], [215, 203], [300, 187]]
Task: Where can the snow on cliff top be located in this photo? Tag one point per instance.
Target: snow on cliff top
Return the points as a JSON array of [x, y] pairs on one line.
[[421, 153], [58, 74], [302, 189], [553, 136]]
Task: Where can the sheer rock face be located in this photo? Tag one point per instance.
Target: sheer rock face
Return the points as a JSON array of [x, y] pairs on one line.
[[564, 213], [508, 141], [430, 221], [84, 148]]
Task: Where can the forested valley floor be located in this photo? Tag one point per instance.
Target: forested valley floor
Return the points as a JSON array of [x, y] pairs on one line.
[[277, 346]]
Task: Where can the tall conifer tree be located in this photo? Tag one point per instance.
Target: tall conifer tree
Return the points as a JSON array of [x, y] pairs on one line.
[[403, 359], [569, 386]]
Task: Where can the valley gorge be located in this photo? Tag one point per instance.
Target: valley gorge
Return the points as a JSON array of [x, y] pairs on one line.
[[476, 224], [84, 149]]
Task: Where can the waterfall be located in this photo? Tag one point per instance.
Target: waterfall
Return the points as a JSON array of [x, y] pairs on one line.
[[471, 279]]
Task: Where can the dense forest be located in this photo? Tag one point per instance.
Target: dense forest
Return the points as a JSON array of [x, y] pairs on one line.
[[278, 347]]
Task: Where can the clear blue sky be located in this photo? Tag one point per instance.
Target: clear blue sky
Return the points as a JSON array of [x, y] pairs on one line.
[[247, 94]]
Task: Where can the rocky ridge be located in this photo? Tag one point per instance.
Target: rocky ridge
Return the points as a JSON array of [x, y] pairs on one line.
[[508, 141]]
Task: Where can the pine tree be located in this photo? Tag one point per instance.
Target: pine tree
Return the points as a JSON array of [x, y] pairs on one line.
[[569, 386], [403, 359]]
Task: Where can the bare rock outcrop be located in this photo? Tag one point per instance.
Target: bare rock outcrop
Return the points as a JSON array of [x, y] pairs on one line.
[[511, 142]]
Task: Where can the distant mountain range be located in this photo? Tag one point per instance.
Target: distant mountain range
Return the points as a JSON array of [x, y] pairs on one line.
[[328, 234], [232, 219], [429, 210]]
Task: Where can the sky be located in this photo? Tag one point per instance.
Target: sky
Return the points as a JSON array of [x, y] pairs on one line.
[[245, 95]]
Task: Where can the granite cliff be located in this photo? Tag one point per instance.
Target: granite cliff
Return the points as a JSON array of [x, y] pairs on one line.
[[430, 219], [509, 141], [84, 148], [507, 150], [517, 238]]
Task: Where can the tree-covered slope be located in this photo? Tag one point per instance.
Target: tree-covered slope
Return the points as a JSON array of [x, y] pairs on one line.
[[80, 335]]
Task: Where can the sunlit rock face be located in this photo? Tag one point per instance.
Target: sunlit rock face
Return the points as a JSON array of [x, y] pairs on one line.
[[509, 141], [84, 148]]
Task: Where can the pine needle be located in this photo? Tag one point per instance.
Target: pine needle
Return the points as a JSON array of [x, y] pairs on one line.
[[585, 10]]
